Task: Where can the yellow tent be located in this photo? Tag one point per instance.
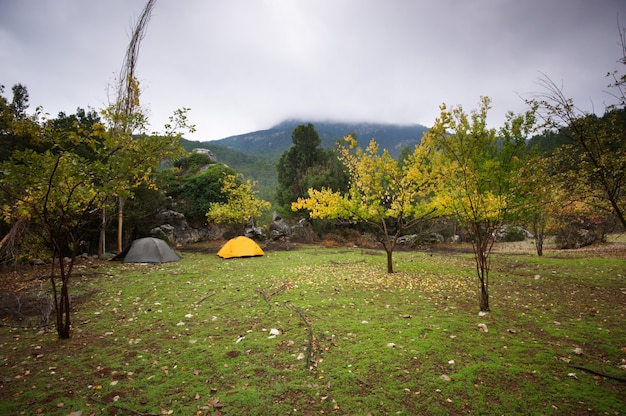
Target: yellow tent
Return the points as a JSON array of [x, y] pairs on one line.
[[240, 247]]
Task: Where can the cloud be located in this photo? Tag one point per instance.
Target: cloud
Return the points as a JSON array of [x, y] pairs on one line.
[[246, 65]]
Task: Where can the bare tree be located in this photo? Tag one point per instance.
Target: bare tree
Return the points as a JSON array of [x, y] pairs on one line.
[[126, 107]]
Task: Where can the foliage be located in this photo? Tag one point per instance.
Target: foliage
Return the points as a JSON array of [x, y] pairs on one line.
[[476, 168], [259, 167], [140, 211], [56, 191], [193, 162], [540, 197], [306, 165], [15, 124], [387, 197], [241, 203], [594, 158], [193, 193]]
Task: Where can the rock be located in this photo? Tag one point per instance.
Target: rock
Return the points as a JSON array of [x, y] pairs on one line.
[[254, 232], [407, 239], [206, 152], [279, 228], [173, 227], [302, 231]]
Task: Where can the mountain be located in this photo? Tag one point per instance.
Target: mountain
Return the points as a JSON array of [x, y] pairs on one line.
[[255, 154], [276, 140]]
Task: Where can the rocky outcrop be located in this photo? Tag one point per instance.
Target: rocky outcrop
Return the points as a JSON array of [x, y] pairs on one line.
[[175, 229]]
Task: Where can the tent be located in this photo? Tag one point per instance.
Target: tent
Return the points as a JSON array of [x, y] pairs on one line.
[[150, 250], [240, 247]]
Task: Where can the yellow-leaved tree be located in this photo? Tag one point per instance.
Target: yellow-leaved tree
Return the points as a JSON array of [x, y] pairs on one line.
[[241, 204], [477, 166], [388, 196]]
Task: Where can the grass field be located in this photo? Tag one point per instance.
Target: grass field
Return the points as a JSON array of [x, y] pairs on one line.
[[317, 330]]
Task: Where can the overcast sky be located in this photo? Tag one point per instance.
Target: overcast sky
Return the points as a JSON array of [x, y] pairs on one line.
[[245, 65]]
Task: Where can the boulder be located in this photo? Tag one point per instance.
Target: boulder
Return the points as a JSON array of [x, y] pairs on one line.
[[254, 232], [279, 228], [302, 232], [173, 227]]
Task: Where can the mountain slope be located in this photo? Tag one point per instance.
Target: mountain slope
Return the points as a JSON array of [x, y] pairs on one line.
[[255, 154], [276, 140]]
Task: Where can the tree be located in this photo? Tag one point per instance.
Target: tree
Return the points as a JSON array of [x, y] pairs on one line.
[[476, 166], [125, 113], [241, 205], [538, 188], [194, 193], [133, 160], [15, 125], [56, 190], [595, 156], [295, 162], [383, 195]]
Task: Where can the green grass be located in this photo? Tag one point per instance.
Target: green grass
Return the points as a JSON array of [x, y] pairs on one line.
[[193, 337]]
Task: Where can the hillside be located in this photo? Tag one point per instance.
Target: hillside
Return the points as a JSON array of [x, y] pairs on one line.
[[277, 139], [255, 154]]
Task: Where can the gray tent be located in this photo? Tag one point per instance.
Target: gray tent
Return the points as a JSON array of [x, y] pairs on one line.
[[150, 250]]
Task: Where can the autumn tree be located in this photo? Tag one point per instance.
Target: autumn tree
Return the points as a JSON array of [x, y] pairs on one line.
[[538, 191], [594, 157], [56, 190], [241, 204], [385, 196], [476, 166]]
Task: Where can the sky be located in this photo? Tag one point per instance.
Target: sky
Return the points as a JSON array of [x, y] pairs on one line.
[[246, 65]]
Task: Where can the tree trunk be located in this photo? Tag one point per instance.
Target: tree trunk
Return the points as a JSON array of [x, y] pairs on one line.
[[66, 325], [120, 224], [389, 245], [389, 260], [62, 300], [482, 246], [102, 240], [483, 276], [539, 232]]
